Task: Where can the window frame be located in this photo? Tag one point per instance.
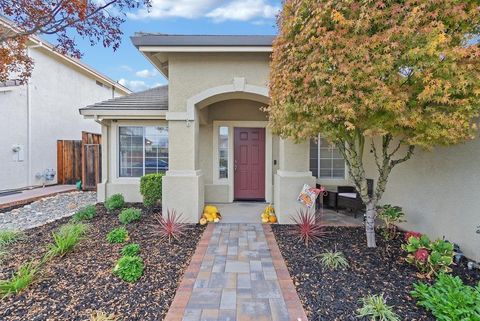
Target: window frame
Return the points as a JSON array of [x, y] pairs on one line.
[[319, 153], [219, 157], [118, 151]]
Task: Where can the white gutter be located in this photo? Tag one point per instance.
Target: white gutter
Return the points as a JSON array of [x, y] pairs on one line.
[[205, 48]]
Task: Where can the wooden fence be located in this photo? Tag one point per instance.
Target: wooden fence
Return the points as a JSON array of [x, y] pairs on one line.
[[91, 160], [80, 160], [69, 161]]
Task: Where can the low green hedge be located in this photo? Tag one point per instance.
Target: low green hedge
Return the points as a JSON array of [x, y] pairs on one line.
[[151, 189]]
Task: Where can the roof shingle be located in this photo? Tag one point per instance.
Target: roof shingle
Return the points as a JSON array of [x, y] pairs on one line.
[[150, 99]]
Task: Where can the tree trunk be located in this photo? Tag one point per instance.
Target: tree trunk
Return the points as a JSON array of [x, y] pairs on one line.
[[370, 223]]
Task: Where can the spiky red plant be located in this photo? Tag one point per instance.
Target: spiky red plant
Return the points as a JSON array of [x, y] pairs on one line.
[[308, 228], [171, 226]]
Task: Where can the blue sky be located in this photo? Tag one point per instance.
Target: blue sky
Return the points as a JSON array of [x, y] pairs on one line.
[[128, 66]]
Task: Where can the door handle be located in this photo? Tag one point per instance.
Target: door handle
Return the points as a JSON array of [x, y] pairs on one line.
[[235, 166]]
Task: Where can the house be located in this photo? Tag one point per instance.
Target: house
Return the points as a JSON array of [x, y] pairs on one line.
[[208, 131], [45, 109]]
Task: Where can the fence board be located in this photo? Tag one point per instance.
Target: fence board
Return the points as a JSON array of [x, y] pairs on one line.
[[69, 155], [91, 160], [80, 160]]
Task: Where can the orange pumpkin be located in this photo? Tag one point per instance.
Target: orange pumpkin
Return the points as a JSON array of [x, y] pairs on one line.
[[272, 219]]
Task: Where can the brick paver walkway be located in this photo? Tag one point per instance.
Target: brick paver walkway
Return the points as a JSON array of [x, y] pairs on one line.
[[237, 273]]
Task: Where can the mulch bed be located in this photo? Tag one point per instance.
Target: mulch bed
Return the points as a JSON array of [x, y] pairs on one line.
[[333, 295], [74, 286]]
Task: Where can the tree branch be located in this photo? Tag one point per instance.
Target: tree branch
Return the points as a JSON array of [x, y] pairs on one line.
[[56, 25], [377, 160], [411, 149]]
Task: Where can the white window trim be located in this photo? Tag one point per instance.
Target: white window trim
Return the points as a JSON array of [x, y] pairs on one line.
[[216, 155], [143, 147], [231, 132], [114, 154], [330, 179]]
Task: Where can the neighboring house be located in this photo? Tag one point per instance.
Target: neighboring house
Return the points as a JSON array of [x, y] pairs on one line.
[[45, 109], [209, 129]]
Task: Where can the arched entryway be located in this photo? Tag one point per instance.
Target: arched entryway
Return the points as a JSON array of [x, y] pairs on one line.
[[235, 146]]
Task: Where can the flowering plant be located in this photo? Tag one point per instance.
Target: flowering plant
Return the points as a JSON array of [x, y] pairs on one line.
[[411, 233], [430, 257]]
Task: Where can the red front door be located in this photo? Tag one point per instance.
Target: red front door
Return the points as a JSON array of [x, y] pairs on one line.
[[249, 163]]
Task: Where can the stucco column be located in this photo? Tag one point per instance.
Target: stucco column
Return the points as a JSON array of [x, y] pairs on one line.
[[183, 186], [292, 174], [106, 159]]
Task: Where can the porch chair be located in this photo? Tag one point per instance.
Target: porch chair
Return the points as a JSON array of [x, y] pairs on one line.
[[348, 198]]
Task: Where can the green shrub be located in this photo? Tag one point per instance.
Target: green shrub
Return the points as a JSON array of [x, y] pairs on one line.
[[115, 202], [375, 307], [391, 216], [129, 215], [84, 214], [333, 260], [151, 189], [118, 235], [129, 268], [429, 257], [131, 250], [65, 239], [25, 276], [9, 237], [449, 299]]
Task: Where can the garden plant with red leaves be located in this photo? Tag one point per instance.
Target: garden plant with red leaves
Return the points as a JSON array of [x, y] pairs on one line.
[[170, 227], [430, 257], [411, 233], [308, 228]]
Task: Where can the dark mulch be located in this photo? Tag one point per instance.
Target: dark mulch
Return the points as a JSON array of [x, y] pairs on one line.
[[334, 295], [81, 282]]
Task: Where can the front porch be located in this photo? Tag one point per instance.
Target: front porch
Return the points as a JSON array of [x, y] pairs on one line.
[[221, 151], [249, 213]]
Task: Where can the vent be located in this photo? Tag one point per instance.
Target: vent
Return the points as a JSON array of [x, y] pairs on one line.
[[99, 83]]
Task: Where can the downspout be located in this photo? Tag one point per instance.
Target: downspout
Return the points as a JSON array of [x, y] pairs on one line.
[[29, 123], [105, 165]]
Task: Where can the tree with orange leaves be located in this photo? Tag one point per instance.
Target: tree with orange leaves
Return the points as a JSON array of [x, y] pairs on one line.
[[95, 20], [387, 76]]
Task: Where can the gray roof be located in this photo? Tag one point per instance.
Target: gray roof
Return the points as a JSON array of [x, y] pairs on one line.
[[150, 99], [10, 83], [156, 39]]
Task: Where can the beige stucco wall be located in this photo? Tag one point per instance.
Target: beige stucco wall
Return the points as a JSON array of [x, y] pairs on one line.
[[439, 191], [192, 73], [55, 92]]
